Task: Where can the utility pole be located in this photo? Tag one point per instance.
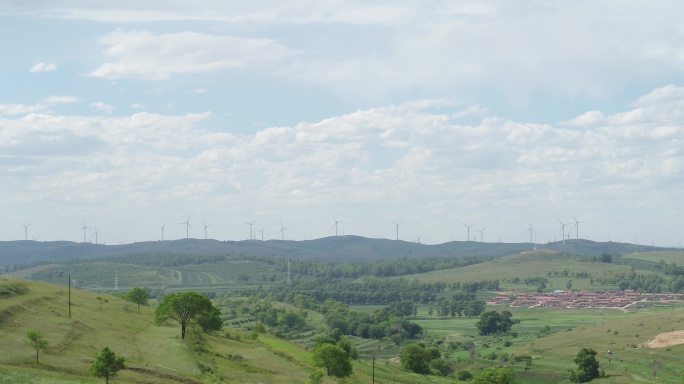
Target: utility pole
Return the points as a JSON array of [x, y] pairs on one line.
[[70, 296]]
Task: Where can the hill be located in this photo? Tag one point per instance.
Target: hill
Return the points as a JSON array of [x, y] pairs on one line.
[[337, 248], [154, 354]]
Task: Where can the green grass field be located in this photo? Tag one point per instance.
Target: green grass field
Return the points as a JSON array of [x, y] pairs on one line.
[[529, 264], [676, 257], [570, 330]]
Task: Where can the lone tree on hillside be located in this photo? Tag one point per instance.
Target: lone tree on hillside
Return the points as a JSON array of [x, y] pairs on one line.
[[37, 341], [587, 366], [492, 322], [106, 364], [503, 375], [416, 358], [334, 359], [139, 296], [183, 307]]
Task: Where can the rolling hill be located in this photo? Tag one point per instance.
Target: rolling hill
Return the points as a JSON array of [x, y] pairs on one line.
[[338, 248]]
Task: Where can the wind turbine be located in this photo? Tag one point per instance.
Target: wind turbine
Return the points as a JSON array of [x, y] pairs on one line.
[[95, 235], [396, 227], [563, 225], [482, 234], [187, 227], [282, 231], [26, 230], [250, 228], [162, 230], [577, 223], [531, 231], [84, 228], [335, 224], [262, 232], [205, 230], [468, 229]]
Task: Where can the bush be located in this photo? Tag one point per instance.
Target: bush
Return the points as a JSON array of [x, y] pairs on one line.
[[464, 375]]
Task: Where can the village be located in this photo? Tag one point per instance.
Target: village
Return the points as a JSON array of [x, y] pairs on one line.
[[584, 299]]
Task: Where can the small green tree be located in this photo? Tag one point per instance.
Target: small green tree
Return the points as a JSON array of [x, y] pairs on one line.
[[334, 359], [416, 358], [503, 375], [37, 341], [107, 364], [139, 296], [183, 307], [587, 366]]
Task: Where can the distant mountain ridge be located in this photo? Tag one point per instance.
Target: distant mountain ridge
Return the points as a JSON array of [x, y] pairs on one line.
[[337, 248]]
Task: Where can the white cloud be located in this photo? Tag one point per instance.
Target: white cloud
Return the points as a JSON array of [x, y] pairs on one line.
[[138, 106], [43, 67], [415, 160], [102, 107], [141, 54], [20, 109], [60, 100]]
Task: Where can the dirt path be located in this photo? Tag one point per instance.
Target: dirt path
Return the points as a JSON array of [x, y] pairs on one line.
[[666, 339]]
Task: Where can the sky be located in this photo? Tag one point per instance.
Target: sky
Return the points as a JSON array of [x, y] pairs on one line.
[[132, 115]]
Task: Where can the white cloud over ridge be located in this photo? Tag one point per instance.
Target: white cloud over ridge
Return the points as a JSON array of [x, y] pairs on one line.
[[415, 160]]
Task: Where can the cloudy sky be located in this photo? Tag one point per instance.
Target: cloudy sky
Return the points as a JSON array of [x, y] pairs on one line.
[[429, 113]]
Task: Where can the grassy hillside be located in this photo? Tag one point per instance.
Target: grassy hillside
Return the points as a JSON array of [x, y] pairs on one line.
[[529, 264], [153, 354], [676, 257]]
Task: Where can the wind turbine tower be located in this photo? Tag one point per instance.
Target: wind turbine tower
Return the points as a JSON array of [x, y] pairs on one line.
[[563, 225], [95, 235], [531, 231], [84, 228], [468, 229], [282, 231], [251, 234], [336, 222], [187, 227], [577, 223], [26, 226], [262, 233], [205, 230], [482, 234], [162, 230], [396, 227]]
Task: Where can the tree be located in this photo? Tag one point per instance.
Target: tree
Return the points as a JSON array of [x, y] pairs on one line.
[[210, 320], [139, 296], [37, 341], [183, 307], [416, 358], [587, 366], [107, 364], [492, 322], [334, 359], [503, 375]]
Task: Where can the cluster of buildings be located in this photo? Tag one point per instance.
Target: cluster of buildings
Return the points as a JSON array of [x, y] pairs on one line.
[[584, 299]]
